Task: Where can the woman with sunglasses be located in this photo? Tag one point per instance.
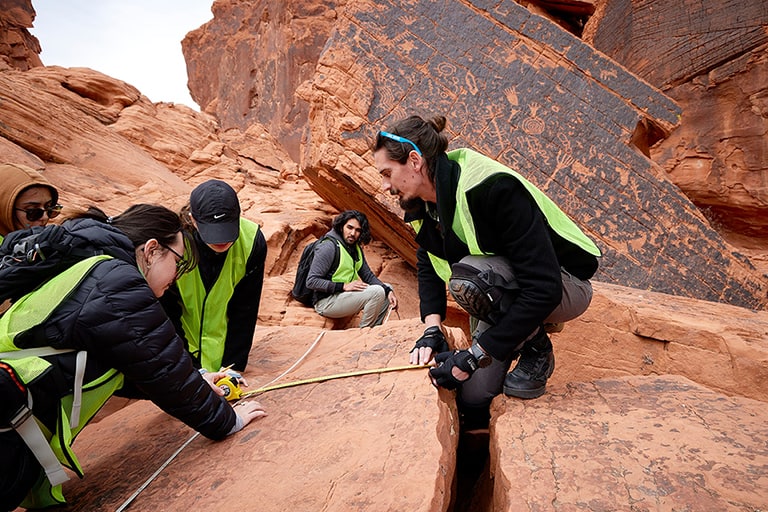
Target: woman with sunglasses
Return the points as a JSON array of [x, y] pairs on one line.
[[104, 309], [26, 199]]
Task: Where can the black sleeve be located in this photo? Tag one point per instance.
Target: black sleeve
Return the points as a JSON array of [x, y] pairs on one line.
[[171, 302], [510, 224], [243, 308], [432, 291], [122, 325]]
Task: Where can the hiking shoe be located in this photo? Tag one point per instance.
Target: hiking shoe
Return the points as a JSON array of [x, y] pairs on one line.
[[536, 364]]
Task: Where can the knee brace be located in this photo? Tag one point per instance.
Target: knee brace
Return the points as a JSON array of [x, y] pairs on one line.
[[484, 286]]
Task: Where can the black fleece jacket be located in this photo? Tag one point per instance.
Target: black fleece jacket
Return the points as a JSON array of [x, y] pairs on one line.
[[508, 223], [116, 318]]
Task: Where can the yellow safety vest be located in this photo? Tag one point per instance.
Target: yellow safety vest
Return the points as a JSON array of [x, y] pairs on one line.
[[347, 270], [204, 314], [77, 408], [475, 169]]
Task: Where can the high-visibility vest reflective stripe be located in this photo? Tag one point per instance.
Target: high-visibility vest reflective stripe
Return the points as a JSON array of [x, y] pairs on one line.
[[204, 315]]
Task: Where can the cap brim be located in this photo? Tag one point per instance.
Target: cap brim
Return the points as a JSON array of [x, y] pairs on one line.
[[219, 233]]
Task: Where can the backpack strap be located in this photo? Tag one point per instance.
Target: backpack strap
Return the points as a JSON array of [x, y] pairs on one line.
[[26, 426]]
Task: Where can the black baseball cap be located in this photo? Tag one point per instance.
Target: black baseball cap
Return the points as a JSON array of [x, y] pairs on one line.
[[216, 210]]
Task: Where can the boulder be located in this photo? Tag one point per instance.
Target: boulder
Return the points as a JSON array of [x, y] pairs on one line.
[[521, 89]]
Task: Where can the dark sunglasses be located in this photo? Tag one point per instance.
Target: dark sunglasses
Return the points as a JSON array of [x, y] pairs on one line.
[[35, 214]]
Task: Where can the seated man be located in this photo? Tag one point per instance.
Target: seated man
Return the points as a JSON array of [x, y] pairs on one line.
[[343, 283]]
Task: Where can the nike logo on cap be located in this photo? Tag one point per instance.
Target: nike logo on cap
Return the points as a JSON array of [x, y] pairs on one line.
[[217, 217]]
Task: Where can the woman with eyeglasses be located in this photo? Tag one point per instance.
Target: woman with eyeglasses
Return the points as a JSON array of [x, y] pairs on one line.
[[26, 199], [104, 312]]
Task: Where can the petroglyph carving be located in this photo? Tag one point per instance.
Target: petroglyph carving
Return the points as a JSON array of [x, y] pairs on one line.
[[533, 125]]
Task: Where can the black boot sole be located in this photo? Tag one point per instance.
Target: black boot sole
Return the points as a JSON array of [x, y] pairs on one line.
[[526, 394]]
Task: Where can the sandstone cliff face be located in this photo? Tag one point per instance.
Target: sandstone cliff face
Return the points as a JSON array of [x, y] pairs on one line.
[[657, 401], [245, 65], [713, 61], [18, 48], [517, 87]]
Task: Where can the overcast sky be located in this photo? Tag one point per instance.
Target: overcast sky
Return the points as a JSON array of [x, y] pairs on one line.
[[137, 41]]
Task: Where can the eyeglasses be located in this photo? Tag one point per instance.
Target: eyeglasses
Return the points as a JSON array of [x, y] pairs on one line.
[[182, 266], [35, 214], [402, 140]]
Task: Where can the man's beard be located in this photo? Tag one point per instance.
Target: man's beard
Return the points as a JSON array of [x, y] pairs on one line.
[[411, 205]]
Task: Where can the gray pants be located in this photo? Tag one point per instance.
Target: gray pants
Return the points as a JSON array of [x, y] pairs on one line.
[[372, 301], [487, 382]]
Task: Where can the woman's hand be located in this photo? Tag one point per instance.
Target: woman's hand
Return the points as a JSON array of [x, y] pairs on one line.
[[212, 378], [249, 411]]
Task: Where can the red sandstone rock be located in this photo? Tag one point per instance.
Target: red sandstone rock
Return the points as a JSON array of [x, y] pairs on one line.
[[116, 148], [713, 60], [18, 48], [632, 443]]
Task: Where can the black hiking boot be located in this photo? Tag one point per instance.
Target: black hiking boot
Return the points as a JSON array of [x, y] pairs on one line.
[[536, 364]]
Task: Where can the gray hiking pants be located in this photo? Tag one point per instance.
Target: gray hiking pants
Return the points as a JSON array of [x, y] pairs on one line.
[[487, 382], [372, 301]]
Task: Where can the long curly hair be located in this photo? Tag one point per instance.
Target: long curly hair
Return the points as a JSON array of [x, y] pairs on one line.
[[365, 228]]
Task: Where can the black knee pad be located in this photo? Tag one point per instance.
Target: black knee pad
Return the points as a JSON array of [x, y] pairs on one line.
[[484, 294]]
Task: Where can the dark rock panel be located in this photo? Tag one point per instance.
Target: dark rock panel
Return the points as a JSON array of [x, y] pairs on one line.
[[668, 43], [519, 88]]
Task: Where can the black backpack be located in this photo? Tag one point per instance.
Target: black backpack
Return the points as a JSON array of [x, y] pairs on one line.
[[300, 292], [30, 257]]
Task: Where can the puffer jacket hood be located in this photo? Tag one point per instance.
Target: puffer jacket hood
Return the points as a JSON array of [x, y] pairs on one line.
[[15, 178], [103, 236]]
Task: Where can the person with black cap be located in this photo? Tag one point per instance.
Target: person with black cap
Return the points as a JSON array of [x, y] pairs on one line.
[[215, 307]]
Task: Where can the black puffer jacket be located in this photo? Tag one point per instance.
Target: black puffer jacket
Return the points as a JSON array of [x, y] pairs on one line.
[[116, 318]]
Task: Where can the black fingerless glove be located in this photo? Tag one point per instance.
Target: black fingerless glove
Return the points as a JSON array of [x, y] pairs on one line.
[[433, 338], [442, 373]]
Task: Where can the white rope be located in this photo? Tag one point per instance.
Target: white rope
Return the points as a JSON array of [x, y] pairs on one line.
[[149, 480]]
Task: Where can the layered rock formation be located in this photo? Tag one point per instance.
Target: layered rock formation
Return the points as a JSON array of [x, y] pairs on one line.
[[517, 87], [713, 61], [657, 401]]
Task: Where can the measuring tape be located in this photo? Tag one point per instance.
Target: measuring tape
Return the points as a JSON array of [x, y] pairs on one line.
[[234, 388], [332, 377]]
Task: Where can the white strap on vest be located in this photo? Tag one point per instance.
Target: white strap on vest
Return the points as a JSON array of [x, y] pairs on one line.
[[82, 356], [34, 352], [77, 398], [25, 424]]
